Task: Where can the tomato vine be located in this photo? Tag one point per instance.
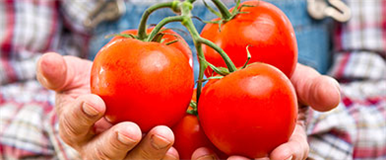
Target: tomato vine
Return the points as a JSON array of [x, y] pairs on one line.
[[183, 10]]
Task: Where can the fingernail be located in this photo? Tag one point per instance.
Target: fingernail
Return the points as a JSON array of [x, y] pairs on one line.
[[289, 158], [44, 80], [169, 157], [89, 110], [206, 157], [125, 139], [159, 142]]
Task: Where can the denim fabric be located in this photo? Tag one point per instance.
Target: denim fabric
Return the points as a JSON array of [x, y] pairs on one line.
[[313, 36]]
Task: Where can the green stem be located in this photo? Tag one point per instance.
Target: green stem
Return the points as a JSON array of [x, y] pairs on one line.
[[202, 68], [159, 26], [186, 8], [191, 1], [142, 25], [223, 9], [193, 111], [195, 36], [228, 61]]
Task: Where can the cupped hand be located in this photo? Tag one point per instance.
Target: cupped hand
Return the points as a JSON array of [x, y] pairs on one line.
[[80, 115], [320, 92]]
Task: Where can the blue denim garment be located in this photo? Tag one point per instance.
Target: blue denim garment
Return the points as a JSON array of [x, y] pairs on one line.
[[313, 36]]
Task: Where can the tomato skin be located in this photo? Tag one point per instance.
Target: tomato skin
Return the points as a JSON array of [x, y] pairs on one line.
[[265, 28], [250, 111], [189, 136], [148, 83]]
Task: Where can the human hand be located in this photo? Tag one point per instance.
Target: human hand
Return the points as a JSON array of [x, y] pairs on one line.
[[80, 116], [320, 92]]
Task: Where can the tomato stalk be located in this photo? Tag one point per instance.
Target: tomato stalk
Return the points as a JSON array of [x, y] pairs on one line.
[[142, 25], [225, 14], [159, 26], [198, 40]]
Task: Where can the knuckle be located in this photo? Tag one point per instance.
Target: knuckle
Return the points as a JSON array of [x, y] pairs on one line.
[[65, 138], [146, 154], [117, 146], [69, 128], [101, 154], [64, 135]]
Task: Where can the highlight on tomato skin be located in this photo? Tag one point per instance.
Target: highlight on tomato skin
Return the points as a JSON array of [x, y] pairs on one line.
[[264, 28], [142, 79], [250, 111]]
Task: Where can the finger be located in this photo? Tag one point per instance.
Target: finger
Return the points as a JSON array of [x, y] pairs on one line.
[[113, 144], [238, 158], [51, 71], [77, 119], [60, 73], [295, 149], [203, 153], [321, 92], [171, 154], [154, 145]]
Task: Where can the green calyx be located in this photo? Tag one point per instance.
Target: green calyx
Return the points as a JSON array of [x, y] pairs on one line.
[[122, 35], [224, 13], [193, 111], [248, 57]]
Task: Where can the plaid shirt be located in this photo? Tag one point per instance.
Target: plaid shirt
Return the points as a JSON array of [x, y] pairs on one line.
[[356, 129], [28, 127], [31, 28]]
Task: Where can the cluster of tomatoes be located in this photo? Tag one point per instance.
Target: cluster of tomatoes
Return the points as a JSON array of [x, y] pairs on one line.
[[247, 112]]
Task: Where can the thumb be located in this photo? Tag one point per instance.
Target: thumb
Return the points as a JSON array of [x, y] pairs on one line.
[[52, 71], [321, 92]]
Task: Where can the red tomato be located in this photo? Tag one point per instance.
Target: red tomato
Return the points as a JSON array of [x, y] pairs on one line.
[[189, 136], [148, 83], [250, 111], [264, 27]]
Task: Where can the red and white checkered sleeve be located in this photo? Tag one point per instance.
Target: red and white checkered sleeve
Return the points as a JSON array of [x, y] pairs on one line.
[[356, 129], [28, 124]]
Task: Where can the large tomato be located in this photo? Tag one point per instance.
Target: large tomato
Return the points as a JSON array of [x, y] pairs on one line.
[[148, 83], [263, 27], [250, 111]]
